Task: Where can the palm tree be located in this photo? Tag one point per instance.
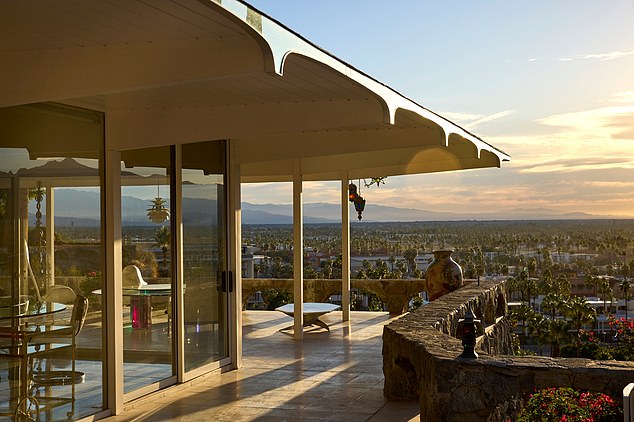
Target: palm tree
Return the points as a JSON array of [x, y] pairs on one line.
[[479, 262], [326, 268], [531, 286], [392, 260], [546, 281], [538, 327], [557, 333], [547, 259], [162, 239], [592, 281], [605, 290], [380, 269], [580, 312], [532, 266], [258, 269], [519, 284], [553, 303], [527, 286], [522, 313], [624, 286], [562, 285], [410, 257]]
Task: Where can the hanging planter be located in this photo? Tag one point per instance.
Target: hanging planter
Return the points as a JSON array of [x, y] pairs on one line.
[[374, 180]]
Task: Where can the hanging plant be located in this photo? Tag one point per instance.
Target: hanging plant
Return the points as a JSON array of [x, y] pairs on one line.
[[375, 180]]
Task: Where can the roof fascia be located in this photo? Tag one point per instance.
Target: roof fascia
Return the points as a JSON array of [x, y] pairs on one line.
[[281, 42]]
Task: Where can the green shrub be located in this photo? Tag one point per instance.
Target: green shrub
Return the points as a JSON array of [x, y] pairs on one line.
[[275, 298], [91, 282]]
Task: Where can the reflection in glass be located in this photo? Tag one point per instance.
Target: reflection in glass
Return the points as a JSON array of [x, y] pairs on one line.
[[147, 267], [51, 254], [205, 304]]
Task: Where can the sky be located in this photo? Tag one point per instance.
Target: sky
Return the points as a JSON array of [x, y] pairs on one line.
[[551, 83]]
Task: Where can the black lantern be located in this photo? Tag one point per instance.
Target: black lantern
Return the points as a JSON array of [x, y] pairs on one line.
[[352, 192], [359, 205], [356, 199], [468, 332]]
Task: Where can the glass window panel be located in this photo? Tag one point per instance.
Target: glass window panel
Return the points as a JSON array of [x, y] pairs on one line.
[[51, 251], [147, 267], [204, 254]]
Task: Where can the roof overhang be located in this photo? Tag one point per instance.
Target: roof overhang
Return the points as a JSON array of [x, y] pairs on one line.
[[179, 71]]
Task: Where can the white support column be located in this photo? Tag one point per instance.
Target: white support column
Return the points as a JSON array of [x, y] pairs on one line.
[[113, 283], [628, 403], [234, 220], [50, 236], [298, 250], [345, 250]]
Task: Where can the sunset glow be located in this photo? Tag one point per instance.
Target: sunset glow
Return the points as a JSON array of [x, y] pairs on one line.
[[548, 83]]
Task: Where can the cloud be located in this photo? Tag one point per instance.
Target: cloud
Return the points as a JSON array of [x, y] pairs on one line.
[[623, 97], [589, 120], [612, 122], [611, 184], [610, 55], [578, 161], [578, 165], [490, 118], [460, 117], [471, 120]]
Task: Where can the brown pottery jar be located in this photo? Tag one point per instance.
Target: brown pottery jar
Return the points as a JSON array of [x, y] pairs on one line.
[[443, 275]]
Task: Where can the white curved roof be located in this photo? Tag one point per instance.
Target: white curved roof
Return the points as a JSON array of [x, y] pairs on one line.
[[178, 71]]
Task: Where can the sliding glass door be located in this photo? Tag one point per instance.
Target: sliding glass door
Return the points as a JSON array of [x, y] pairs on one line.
[[147, 273], [207, 283], [155, 212]]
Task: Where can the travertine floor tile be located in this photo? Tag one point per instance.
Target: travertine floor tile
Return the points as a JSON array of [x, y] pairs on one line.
[[327, 376]]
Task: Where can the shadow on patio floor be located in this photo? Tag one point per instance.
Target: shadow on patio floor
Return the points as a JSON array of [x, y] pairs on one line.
[[327, 376]]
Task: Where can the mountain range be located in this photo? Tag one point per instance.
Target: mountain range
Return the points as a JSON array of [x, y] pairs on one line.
[[331, 213], [81, 208]]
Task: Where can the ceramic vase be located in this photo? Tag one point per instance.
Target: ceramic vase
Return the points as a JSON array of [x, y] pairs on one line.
[[443, 275]]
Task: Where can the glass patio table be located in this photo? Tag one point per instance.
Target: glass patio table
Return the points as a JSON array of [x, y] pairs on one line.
[[312, 312], [29, 309], [140, 302], [18, 334]]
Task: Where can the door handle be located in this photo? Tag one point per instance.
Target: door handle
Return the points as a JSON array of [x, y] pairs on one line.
[[227, 281]]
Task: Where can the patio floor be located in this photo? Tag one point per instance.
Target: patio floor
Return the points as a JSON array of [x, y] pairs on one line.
[[328, 376]]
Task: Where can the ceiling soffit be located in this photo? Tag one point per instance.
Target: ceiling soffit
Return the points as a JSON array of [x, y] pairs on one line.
[[58, 50], [175, 71], [398, 111]]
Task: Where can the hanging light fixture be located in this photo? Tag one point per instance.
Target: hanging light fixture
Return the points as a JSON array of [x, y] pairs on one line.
[[356, 199], [158, 212]]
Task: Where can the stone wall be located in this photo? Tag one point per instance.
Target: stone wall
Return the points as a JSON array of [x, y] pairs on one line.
[[421, 361], [395, 293]]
